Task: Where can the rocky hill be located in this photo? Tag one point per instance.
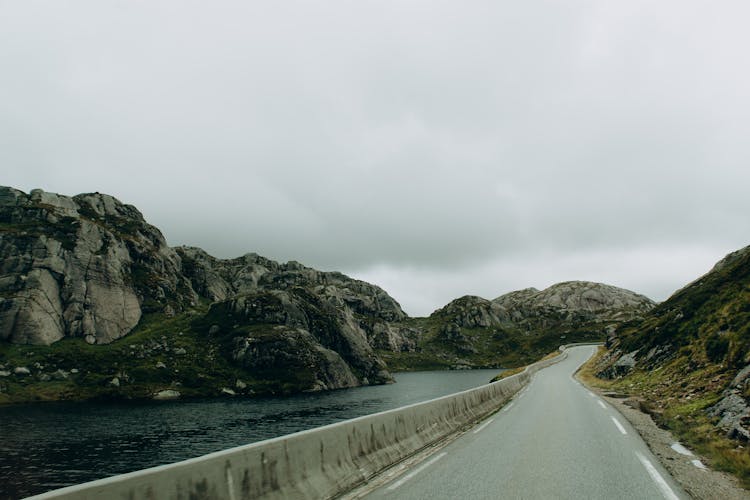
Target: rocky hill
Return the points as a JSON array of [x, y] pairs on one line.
[[520, 326], [575, 300], [90, 269], [689, 361]]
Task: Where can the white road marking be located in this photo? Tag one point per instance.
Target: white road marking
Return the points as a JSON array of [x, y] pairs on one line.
[[698, 464], [591, 394], [507, 407], [416, 471], [601, 404], [619, 425], [481, 427], [681, 449], [660, 482]]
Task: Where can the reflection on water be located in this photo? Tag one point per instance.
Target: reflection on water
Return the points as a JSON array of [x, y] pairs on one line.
[[48, 446]]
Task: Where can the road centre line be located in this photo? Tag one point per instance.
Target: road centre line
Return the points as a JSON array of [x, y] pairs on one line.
[[481, 427], [619, 425], [660, 482], [416, 471], [601, 404]]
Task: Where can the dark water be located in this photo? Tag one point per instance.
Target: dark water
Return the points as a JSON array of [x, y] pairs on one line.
[[48, 446]]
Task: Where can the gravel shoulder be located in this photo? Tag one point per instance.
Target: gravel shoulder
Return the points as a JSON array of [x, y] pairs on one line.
[[698, 483]]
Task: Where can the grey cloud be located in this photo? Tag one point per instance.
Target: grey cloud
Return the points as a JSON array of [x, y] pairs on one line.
[[428, 138]]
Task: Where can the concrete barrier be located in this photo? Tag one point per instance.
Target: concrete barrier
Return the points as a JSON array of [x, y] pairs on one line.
[[318, 463]]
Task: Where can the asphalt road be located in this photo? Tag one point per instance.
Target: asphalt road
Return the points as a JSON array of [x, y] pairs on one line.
[[555, 439]]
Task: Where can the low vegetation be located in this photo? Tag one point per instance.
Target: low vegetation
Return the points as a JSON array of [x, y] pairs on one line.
[[677, 397], [160, 354], [495, 346]]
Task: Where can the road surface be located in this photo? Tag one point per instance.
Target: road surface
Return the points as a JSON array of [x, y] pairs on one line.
[[555, 439]]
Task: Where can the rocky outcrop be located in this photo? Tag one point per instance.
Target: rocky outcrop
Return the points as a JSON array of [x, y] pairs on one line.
[[562, 306], [570, 299], [522, 325], [86, 266], [376, 312], [694, 346], [472, 312], [277, 331], [221, 279]]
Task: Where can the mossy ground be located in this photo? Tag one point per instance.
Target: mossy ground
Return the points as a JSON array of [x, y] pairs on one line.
[[677, 397], [201, 371], [484, 347]]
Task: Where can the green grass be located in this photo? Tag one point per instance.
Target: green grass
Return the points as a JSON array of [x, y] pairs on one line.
[[677, 397], [202, 371], [496, 346]]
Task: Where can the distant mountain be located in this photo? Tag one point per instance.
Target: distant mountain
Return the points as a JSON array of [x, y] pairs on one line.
[[688, 360], [520, 326]]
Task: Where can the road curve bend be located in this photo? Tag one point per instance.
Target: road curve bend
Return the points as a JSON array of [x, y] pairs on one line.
[[555, 439]]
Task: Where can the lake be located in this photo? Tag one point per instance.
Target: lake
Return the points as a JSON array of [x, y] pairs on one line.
[[51, 445]]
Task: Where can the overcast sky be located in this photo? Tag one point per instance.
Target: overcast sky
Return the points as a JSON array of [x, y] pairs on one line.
[[434, 148]]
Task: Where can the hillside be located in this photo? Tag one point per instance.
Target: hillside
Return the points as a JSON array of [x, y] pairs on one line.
[[94, 303], [689, 361], [519, 327]]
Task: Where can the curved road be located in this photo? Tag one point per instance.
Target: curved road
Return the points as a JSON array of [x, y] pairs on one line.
[[555, 439]]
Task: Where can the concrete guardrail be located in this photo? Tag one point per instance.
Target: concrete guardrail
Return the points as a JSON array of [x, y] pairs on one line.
[[317, 463]]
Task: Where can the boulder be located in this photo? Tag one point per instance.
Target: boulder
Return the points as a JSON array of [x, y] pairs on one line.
[[167, 394]]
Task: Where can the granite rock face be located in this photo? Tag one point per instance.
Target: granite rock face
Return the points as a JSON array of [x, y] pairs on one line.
[[296, 329], [84, 266], [569, 303], [471, 312], [575, 298], [374, 311]]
